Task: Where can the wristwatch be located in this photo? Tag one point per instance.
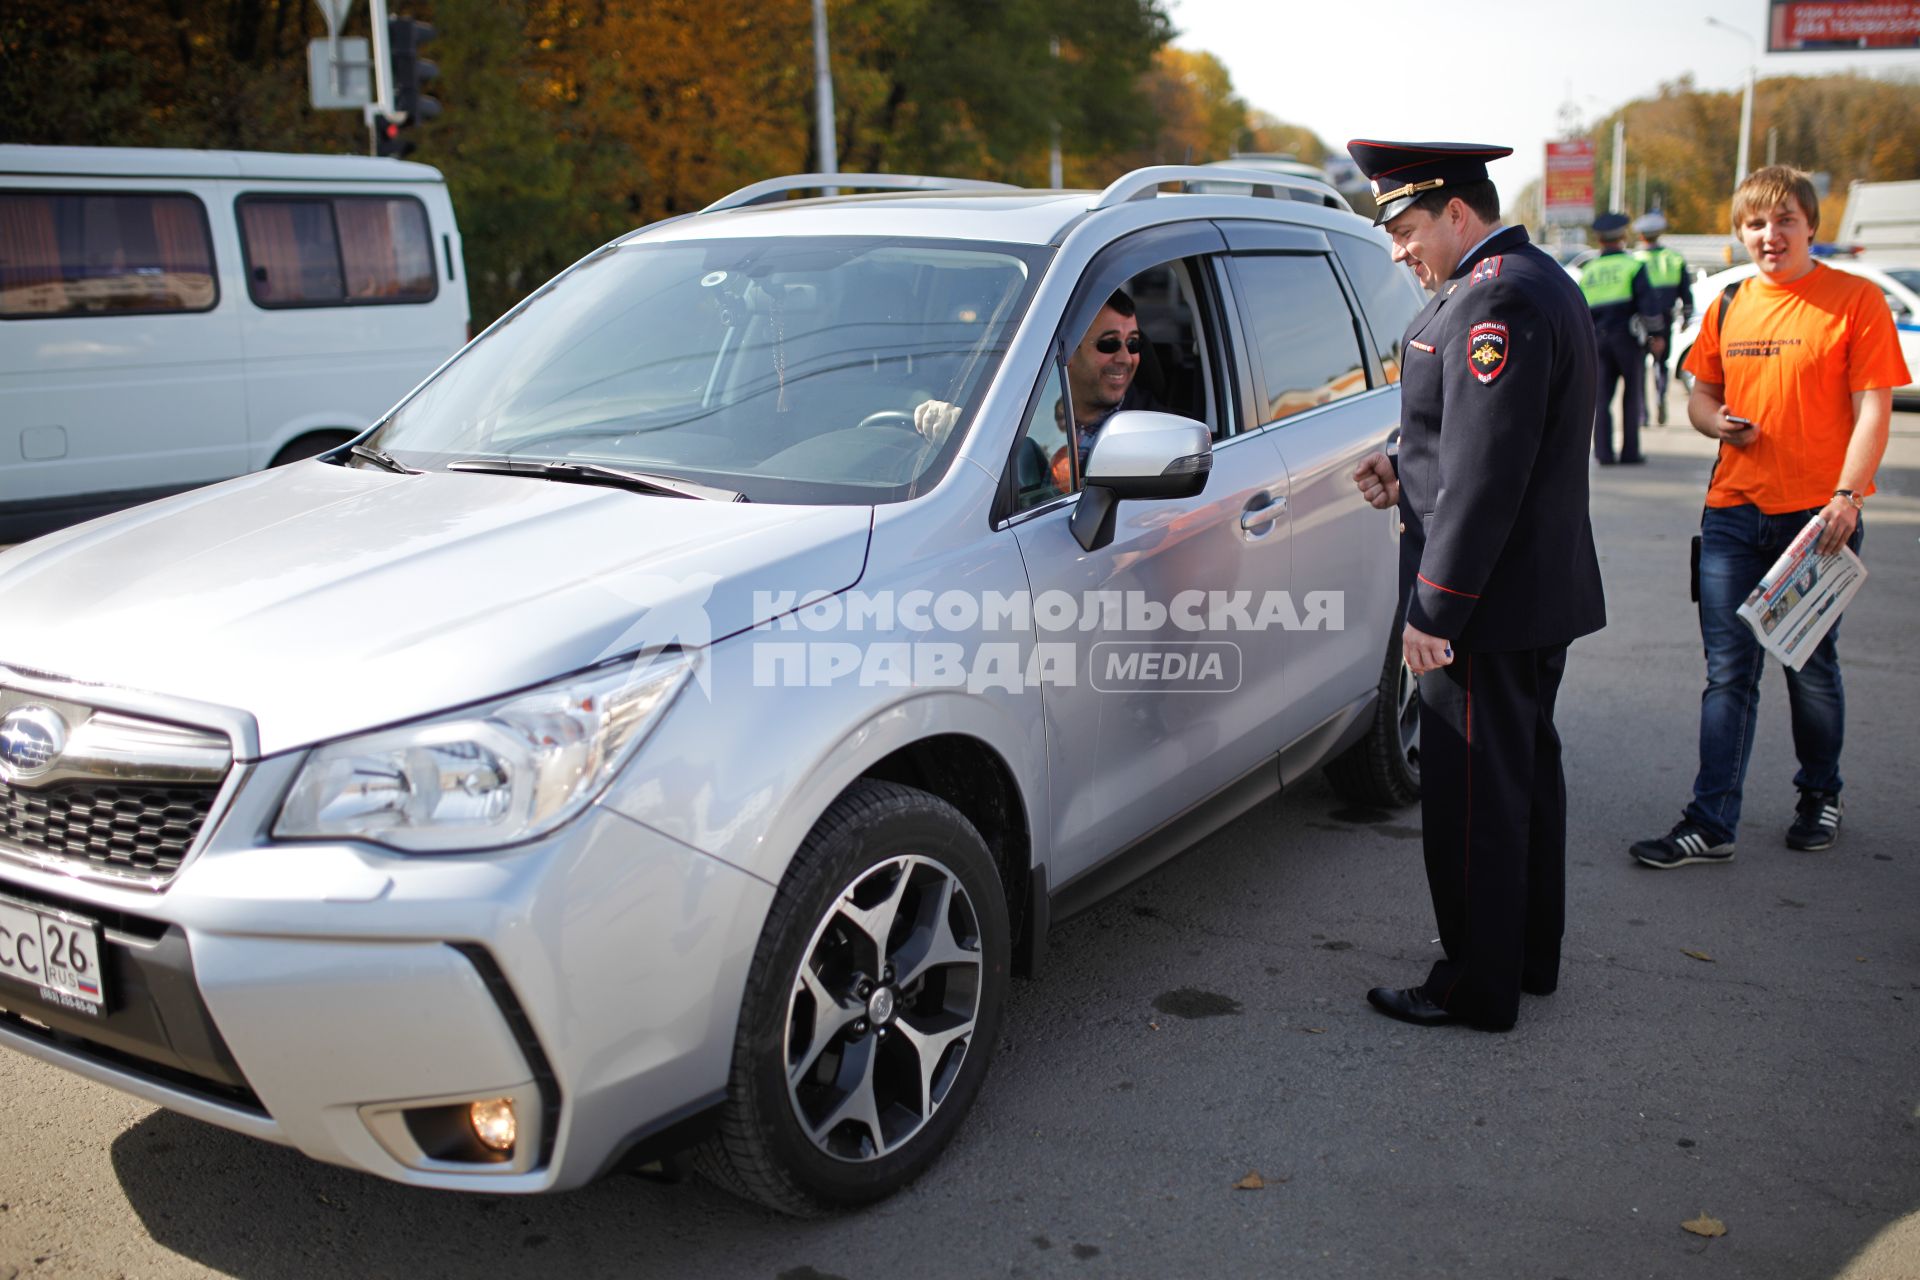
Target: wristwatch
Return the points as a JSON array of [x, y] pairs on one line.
[[1859, 503]]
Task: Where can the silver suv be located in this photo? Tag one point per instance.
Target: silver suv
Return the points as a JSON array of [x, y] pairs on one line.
[[671, 727]]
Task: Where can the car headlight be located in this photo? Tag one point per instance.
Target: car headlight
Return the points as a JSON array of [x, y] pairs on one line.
[[486, 776]]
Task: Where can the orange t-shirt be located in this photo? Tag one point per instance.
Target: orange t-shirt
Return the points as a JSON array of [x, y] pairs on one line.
[[1791, 359]]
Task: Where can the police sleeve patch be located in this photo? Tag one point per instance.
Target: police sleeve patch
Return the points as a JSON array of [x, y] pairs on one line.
[[1487, 349]]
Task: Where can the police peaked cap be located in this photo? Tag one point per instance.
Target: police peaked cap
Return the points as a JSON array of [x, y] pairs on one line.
[[1401, 172], [1650, 224], [1610, 226]]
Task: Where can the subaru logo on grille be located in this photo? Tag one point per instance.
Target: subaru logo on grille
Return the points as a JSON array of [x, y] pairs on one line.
[[31, 739]]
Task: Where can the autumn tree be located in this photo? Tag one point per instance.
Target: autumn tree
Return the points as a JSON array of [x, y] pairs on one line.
[[1685, 141], [1266, 133]]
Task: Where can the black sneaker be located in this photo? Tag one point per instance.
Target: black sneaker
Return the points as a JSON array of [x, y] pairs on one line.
[[1816, 823], [1685, 843]]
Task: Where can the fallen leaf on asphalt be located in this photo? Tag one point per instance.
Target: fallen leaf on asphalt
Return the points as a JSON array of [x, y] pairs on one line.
[[1705, 1226], [1698, 955], [1315, 1031], [1252, 1182]]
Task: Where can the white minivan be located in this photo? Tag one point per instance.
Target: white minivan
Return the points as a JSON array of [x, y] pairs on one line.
[[171, 318]]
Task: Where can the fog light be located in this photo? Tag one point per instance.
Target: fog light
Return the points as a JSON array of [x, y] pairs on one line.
[[493, 1123]]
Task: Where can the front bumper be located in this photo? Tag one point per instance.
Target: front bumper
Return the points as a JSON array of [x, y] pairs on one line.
[[314, 994]]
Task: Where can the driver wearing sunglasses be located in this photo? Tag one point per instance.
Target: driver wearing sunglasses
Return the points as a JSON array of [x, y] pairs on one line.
[[1100, 379]]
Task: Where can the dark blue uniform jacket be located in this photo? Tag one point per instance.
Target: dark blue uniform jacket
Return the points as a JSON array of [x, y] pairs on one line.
[[1496, 420]]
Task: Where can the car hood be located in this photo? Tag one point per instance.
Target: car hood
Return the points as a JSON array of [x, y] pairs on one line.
[[324, 601]]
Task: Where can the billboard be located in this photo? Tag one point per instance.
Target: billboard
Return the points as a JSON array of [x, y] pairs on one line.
[[1569, 185], [1812, 26]]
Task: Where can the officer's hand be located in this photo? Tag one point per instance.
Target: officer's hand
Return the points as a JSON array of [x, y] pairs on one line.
[[1375, 479], [1657, 345], [1842, 519], [1737, 433], [934, 418], [1423, 652]]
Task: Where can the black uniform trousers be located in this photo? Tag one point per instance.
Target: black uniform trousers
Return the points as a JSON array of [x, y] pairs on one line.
[[1622, 360], [1494, 813]]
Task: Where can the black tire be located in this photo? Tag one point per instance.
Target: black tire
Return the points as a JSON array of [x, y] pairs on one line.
[[1383, 768], [308, 446], [775, 1145]]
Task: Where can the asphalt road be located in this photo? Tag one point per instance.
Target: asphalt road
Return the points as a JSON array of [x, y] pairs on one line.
[[1740, 1042]]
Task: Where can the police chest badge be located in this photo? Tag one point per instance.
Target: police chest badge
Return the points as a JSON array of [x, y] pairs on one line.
[[1487, 349]]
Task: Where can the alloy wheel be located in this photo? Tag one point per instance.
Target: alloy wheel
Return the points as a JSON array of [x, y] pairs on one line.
[[1407, 716], [883, 1008]]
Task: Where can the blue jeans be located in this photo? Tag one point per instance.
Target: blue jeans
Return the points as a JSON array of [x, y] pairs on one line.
[[1737, 546]]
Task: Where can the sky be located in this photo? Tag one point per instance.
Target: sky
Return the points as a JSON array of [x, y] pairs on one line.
[[1498, 72]]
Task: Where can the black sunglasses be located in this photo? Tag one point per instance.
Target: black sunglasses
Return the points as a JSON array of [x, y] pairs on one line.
[[1110, 343]]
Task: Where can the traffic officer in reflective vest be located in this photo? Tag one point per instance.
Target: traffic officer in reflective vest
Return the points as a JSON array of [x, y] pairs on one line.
[[1621, 300], [1497, 568], [1667, 273]]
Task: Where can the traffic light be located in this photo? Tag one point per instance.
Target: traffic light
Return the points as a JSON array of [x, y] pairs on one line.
[[387, 140], [411, 105]]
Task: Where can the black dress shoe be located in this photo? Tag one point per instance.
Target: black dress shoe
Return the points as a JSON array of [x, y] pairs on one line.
[[1409, 1004]]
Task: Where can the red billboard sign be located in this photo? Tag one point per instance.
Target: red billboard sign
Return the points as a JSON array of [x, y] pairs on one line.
[[1806, 26], [1569, 185]]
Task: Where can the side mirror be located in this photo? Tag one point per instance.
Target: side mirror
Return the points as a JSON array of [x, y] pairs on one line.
[[1139, 454]]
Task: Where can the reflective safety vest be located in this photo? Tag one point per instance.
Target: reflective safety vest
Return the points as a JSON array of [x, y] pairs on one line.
[[1666, 268], [1608, 279]]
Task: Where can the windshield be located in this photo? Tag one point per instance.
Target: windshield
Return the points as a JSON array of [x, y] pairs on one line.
[[1908, 276], [787, 369]]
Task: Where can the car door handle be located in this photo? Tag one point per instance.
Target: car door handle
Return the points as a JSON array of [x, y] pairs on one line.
[[1257, 517]]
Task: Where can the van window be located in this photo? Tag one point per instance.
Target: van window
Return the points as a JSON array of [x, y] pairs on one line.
[[1304, 331], [331, 251], [1389, 297], [74, 253]]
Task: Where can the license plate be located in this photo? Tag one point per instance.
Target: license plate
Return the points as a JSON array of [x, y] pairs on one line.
[[55, 953]]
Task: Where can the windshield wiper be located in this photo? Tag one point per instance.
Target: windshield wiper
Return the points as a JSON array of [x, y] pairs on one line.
[[595, 473], [385, 461]]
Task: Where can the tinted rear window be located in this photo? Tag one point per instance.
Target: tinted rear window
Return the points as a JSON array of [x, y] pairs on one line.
[[331, 251], [83, 254], [1388, 293], [1304, 330]]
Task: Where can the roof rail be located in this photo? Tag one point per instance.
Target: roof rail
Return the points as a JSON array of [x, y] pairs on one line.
[[1144, 184], [774, 188]]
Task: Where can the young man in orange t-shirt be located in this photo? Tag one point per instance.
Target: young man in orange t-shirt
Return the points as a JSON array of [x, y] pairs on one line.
[[1794, 377]]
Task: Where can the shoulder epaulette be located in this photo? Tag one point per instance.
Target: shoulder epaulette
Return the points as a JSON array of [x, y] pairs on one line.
[[1485, 269]]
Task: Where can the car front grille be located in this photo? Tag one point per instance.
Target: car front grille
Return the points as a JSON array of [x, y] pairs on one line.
[[103, 793], [142, 829]]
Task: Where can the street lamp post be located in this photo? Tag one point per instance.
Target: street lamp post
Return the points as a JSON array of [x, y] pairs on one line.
[[823, 94], [1746, 99]]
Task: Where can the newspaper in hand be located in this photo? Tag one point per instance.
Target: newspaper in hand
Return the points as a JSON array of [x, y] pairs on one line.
[[1801, 597]]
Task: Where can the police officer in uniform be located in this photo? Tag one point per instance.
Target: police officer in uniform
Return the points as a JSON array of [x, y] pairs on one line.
[[1497, 568], [1667, 273], [1621, 299]]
